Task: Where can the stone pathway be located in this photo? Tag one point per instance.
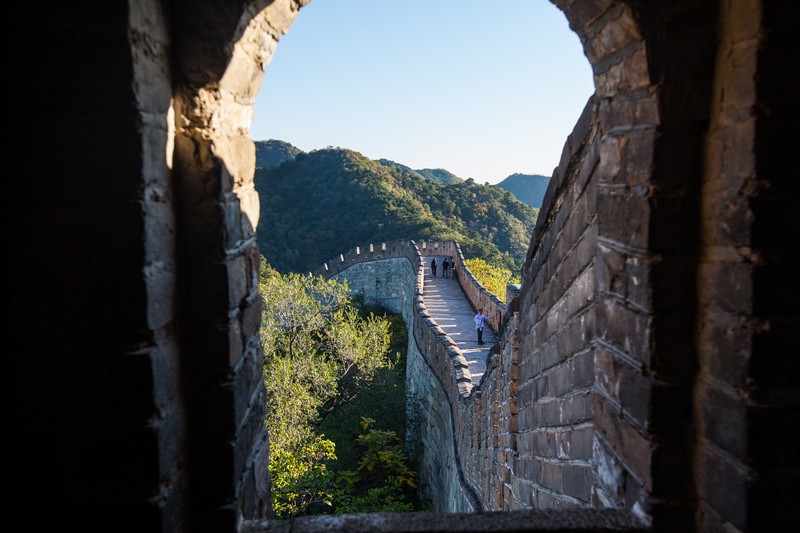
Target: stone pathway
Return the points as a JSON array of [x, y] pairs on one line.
[[450, 308]]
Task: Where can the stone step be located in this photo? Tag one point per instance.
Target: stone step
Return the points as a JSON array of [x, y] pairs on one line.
[[449, 307]]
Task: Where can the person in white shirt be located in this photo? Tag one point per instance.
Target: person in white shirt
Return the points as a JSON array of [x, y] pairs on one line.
[[480, 320]]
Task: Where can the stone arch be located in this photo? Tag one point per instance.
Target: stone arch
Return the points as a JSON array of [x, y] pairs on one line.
[[134, 312], [220, 55], [639, 187]]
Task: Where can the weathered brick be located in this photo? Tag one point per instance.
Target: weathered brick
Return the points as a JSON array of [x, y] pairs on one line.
[[623, 218], [716, 472], [582, 443], [723, 420], [577, 481], [632, 447], [625, 328], [576, 408], [551, 477]]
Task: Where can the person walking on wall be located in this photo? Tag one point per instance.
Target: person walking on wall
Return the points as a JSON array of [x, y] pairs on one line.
[[453, 268], [433, 267], [480, 322], [445, 266]]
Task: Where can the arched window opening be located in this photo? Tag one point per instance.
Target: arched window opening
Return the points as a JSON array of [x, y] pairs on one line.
[[483, 93]]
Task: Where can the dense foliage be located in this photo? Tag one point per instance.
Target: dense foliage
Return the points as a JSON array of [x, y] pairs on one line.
[[326, 201], [383, 481], [273, 152], [329, 360], [439, 174], [433, 174], [492, 278]]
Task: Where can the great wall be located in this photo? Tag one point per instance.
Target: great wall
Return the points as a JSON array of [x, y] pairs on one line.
[[439, 383]]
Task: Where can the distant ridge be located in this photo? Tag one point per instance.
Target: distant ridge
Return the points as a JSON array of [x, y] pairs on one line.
[[324, 201], [273, 152], [528, 188], [438, 175]]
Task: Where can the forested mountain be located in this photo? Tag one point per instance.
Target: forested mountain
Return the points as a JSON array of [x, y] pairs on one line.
[[528, 188], [434, 174], [272, 153], [325, 202], [439, 174], [402, 168]]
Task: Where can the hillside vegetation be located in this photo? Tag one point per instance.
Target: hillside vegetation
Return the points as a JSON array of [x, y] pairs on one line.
[[324, 202], [434, 174], [273, 152], [334, 378], [528, 188]]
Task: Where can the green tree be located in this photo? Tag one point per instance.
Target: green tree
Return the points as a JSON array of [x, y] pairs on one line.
[[301, 479], [359, 347], [296, 309], [383, 482], [320, 352], [493, 279]]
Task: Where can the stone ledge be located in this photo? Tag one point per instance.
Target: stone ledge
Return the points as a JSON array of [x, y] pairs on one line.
[[595, 520]]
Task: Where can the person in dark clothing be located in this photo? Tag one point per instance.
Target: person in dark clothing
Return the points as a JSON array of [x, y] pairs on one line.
[[433, 266], [445, 266], [453, 268]]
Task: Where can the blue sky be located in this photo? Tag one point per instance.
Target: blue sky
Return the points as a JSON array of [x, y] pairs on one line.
[[481, 88]]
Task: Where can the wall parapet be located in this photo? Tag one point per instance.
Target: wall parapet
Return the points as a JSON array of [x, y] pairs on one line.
[[371, 252], [478, 295]]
